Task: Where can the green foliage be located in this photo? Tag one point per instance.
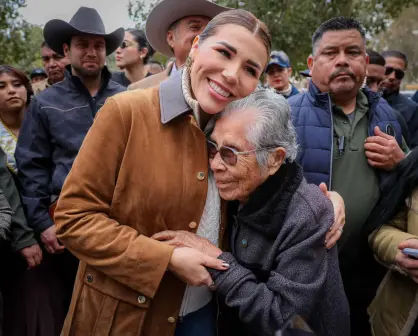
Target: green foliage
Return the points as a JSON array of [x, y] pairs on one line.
[[138, 10], [19, 41], [402, 35], [292, 22]]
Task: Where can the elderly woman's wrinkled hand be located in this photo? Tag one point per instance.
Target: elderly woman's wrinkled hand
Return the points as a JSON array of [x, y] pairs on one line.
[[336, 230], [188, 239]]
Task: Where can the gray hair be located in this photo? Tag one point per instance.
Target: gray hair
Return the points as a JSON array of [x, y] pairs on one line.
[[273, 127]]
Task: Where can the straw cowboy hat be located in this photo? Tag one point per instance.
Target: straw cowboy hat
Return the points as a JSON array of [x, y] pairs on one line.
[[165, 13], [85, 21]]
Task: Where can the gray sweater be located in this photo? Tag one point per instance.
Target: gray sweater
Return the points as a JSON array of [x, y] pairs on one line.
[[279, 266]]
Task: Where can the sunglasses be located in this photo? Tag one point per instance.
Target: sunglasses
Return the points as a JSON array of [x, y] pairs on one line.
[[228, 155], [399, 74], [126, 44]]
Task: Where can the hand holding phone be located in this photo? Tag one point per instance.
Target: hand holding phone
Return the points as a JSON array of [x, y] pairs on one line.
[[410, 252]]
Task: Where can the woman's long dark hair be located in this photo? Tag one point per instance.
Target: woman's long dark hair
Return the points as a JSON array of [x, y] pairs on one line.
[[397, 187], [8, 69], [140, 38]]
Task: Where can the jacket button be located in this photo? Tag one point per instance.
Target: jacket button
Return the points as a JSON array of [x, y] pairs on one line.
[[193, 225], [244, 243], [142, 299], [171, 319], [89, 278], [200, 176]]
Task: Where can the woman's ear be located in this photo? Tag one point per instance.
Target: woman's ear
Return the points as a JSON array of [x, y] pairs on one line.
[[143, 53], [275, 160], [195, 47]]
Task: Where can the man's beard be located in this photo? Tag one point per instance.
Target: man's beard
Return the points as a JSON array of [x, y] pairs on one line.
[[387, 91], [90, 74]]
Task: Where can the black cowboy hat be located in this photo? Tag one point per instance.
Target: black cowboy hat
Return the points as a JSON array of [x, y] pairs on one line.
[[85, 21]]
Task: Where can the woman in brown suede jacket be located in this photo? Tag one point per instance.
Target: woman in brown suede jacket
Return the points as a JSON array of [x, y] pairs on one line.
[[142, 169]]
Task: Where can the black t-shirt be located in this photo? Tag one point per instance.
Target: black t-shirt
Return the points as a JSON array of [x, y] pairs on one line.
[[120, 77]]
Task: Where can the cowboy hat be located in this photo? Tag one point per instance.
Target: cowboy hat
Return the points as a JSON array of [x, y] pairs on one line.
[[85, 21], [165, 13]]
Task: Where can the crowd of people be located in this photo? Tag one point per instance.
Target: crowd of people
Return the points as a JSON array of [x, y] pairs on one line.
[[209, 196]]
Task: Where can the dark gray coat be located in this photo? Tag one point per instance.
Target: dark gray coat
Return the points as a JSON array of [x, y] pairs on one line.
[[279, 265], [21, 235]]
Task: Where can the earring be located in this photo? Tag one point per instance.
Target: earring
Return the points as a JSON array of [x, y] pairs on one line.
[[189, 62]]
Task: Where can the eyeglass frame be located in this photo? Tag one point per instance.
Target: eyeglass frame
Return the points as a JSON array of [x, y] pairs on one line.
[[234, 151], [389, 70]]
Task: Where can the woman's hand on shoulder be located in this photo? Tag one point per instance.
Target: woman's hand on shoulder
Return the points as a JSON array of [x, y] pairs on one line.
[[336, 230]]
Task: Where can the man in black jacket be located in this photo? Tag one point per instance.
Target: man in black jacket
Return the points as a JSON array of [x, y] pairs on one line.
[[56, 123], [396, 64], [59, 118], [376, 75]]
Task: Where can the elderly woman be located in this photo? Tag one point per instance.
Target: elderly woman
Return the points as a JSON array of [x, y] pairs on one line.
[[278, 265]]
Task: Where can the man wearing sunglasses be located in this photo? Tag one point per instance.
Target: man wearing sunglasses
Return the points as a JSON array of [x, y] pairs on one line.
[[396, 64], [376, 75]]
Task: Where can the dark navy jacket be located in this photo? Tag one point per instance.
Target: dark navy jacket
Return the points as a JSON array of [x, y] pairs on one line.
[[312, 118], [415, 97], [51, 135], [408, 109], [294, 92]]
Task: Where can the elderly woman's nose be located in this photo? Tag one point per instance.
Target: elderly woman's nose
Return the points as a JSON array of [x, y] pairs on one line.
[[217, 164]]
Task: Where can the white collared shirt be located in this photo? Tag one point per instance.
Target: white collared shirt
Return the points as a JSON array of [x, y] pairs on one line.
[[174, 70]]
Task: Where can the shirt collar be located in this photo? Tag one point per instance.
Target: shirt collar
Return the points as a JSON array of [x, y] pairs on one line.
[[362, 103], [174, 70], [172, 102]]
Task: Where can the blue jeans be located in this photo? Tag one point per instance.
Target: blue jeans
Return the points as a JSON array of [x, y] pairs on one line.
[[199, 323]]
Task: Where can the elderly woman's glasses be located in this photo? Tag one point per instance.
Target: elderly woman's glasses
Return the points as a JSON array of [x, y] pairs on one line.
[[126, 44], [228, 155]]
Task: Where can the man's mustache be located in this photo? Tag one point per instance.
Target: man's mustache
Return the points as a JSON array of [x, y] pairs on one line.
[[340, 71]]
